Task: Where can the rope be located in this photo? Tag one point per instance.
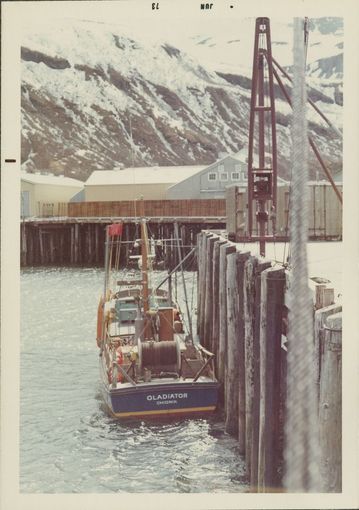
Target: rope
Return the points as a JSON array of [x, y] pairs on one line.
[[301, 446]]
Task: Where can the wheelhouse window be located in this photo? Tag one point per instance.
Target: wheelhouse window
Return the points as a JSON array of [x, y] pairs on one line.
[[212, 176]]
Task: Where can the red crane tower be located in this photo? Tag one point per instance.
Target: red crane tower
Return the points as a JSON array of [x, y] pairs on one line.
[[262, 152], [262, 144]]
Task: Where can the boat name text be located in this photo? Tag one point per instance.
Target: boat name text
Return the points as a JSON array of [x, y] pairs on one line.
[[167, 396]]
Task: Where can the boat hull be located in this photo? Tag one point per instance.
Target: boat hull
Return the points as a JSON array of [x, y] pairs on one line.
[[167, 398], [162, 397]]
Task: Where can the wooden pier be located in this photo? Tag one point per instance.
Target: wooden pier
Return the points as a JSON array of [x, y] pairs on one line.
[[80, 241], [242, 318]]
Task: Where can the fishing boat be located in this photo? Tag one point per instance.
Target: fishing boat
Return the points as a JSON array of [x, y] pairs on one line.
[[149, 366]]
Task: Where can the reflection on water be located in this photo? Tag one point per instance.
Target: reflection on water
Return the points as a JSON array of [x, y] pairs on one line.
[[68, 443]]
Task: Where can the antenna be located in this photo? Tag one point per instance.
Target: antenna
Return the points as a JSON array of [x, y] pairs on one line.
[[132, 154]]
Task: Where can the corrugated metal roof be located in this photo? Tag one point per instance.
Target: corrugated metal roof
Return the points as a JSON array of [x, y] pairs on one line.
[[143, 175], [50, 179]]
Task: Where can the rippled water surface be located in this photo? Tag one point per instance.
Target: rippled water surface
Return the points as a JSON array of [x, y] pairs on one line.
[[68, 442]]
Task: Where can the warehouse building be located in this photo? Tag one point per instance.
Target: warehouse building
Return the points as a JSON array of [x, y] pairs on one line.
[[44, 194], [151, 183], [167, 182]]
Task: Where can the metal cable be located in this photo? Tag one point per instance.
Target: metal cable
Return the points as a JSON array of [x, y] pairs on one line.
[[301, 431]]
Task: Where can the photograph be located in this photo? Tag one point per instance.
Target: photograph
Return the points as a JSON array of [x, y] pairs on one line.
[[176, 252]]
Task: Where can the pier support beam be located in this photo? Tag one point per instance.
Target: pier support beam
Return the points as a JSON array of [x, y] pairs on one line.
[[269, 454]]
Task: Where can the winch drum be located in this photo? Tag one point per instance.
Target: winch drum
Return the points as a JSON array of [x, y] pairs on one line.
[[159, 355]]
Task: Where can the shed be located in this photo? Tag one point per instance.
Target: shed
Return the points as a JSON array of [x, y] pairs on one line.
[[44, 194], [324, 211], [131, 183]]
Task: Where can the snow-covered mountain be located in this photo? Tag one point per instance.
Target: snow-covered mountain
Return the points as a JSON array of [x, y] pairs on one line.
[[95, 95]]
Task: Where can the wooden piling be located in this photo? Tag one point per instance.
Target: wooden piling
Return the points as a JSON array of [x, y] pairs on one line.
[[233, 349], [261, 266], [30, 243], [52, 247], [199, 279], [97, 252], [41, 243], [89, 244], [272, 300], [23, 244], [224, 250], [202, 283], [249, 305], [215, 291], [320, 318], [76, 243], [324, 296], [209, 303], [241, 261], [72, 249], [330, 408]]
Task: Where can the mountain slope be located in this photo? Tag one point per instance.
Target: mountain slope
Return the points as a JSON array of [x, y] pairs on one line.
[[94, 96]]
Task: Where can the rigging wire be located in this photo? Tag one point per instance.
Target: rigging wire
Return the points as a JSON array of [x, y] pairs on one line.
[[268, 148]]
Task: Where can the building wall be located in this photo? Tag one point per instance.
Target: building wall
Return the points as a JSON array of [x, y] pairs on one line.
[[325, 212], [55, 192], [45, 198], [28, 204], [212, 181], [236, 201], [226, 172], [78, 197], [103, 193]]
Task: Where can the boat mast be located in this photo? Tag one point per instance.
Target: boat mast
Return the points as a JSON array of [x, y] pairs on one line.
[[144, 269], [106, 263], [144, 250], [183, 280]]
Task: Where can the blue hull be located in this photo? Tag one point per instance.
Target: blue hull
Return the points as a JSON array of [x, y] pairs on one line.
[[162, 397], [169, 398]]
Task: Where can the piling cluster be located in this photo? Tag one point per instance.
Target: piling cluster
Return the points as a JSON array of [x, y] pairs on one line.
[[81, 241], [242, 319]]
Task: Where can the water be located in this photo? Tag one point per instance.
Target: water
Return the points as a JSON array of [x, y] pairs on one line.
[[68, 443]]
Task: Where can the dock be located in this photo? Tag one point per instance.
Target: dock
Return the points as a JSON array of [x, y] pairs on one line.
[[242, 318], [80, 241]]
